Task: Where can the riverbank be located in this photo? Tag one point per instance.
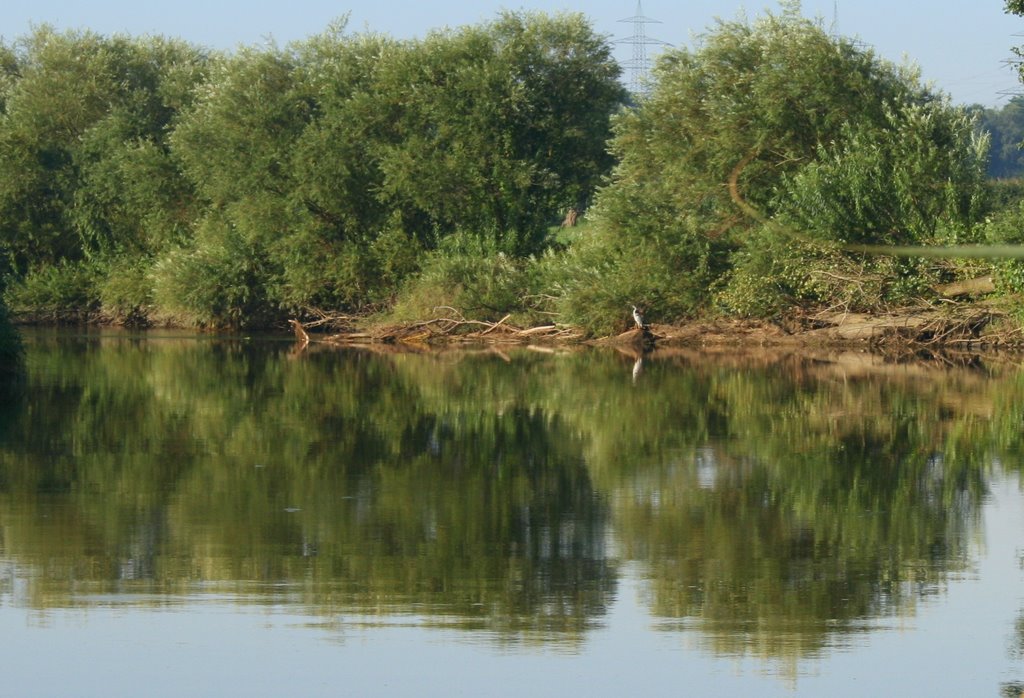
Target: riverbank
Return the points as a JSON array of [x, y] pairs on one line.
[[980, 325], [962, 326]]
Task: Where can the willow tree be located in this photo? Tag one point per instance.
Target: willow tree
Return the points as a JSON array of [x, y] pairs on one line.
[[501, 126], [327, 167], [87, 185], [756, 153]]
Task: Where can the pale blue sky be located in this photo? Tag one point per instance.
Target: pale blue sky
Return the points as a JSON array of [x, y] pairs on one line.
[[960, 45]]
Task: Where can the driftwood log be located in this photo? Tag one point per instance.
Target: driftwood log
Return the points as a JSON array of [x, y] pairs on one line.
[[980, 286]]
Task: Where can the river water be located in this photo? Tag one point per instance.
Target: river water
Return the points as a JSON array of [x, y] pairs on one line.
[[187, 515]]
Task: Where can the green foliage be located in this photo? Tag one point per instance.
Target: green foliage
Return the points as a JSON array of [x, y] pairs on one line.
[[219, 283], [320, 273], [125, 290], [631, 257], [343, 157], [914, 179], [756, 155], [772, 276], [1003, 194], [277, 179], [501, 127], [1007, 227], [65, 291], [84, 167], [470, 274], [149, 179]]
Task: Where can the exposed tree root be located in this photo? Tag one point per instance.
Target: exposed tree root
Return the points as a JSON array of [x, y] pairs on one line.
[[336, 321]]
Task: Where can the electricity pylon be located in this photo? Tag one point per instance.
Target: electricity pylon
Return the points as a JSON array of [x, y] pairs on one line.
[[640, 64]]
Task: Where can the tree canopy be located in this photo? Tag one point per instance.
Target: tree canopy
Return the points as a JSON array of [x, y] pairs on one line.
[[757, 155], [145, 175], [149, 180]]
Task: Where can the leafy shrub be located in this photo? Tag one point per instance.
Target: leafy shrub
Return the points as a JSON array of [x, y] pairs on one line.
[[317, 272], [772, 274], [917, 177], [126, 290], [221, 282], [666, 269], [470, 274], [1006, 227], [64, 291]]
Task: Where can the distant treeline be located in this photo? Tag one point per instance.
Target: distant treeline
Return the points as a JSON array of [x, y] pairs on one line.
[[149, 180], [1005, 127]]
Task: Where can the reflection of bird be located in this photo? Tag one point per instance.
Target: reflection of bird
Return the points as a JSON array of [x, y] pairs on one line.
[[638, 367], [638, 318]]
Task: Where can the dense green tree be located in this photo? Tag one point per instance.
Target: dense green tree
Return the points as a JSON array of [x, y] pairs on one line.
[[235, 146], [83, 137], [754, 156], [86, 177], [281, 148], [45, 111], [502, 126], [333, 164]]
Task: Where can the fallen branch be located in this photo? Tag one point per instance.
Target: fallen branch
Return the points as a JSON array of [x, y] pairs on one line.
[[498, 323], [540, 329], [448, 328], [323, 318]]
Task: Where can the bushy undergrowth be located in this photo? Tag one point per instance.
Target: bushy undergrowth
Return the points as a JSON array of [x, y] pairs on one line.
[[66, 291], [772, 275], [1006, 227], [472, 276], [219, 283], [665, 271], [125, 291]]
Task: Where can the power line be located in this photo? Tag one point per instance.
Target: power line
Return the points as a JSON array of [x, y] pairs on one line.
[[1014, 64]]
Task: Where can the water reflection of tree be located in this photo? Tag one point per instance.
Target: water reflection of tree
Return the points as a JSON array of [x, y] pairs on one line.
[[759, 572], [332, 483], [780, 511], [776, 508]]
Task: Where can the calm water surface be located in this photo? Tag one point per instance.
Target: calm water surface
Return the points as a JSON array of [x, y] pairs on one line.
[[202, 516]]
